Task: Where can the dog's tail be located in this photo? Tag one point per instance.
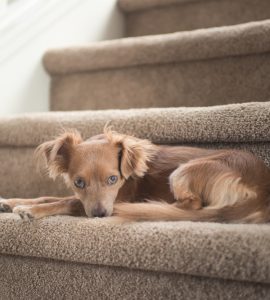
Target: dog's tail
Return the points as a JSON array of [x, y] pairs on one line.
[[160, 211]]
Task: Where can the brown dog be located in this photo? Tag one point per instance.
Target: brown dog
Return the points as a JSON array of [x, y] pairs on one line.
[[111, 171]]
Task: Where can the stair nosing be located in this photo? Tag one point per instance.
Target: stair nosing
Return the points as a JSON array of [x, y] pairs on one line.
[[243, 39]]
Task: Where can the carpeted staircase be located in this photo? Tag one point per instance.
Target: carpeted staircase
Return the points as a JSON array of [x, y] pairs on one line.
[[80, 258], [207, 66], [144, 17]]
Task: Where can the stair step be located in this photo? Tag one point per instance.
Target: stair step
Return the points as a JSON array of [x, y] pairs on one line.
[[244, 126], [203, 67], [148, 17]]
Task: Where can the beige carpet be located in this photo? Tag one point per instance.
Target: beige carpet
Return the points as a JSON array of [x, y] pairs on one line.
[[89, 259], [38, 278], [68, 257], [203, 67], [206, 127], [179, 247], [145, 17], [78, 258], [201, 249]]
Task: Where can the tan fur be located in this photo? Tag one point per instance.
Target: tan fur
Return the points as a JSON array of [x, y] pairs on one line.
[[136, 153], [189, 184], [57, 153]]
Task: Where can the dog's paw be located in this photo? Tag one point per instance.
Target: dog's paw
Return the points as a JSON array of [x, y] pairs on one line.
[[4, 206], [24, 212]]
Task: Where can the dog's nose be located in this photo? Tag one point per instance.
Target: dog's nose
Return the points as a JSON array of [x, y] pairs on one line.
[[99, 212]]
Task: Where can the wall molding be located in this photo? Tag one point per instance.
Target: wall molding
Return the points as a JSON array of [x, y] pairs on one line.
[[27, 19]]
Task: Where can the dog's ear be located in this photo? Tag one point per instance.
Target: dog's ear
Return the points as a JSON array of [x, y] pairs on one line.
[[57, 152], [134, 153]]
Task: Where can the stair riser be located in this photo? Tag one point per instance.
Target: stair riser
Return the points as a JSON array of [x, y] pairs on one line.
[[195, 83], [92, 278], [194, 15], [40, 185], [29, 183]]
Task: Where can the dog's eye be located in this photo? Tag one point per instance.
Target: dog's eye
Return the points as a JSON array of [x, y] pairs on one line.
[[112, 180], [79, 183]]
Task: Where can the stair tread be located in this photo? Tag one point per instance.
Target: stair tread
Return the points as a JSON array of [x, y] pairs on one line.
[[248, 124], [229, 251], [242, 39]]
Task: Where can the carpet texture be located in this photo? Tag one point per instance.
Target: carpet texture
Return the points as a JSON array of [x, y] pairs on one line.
[[165, 16], [243, 39], [249, 122], [178, 247], [66, 280], [203, 127], [66, 257], [230, 66]]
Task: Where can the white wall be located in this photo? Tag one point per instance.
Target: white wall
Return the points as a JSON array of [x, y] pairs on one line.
[[24, 85]]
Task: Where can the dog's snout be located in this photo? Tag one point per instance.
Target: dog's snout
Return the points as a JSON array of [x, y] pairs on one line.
[[99, 212]]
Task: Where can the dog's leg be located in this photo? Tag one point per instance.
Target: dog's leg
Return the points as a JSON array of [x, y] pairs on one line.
[[68, 206], [181, 186], [194, 183], [204, 182], [7, 205]]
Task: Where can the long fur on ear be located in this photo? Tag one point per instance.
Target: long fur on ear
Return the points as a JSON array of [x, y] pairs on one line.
[[135, 153], [56, 153]]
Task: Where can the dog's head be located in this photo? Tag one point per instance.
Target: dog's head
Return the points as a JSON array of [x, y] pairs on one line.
[[97, 168]]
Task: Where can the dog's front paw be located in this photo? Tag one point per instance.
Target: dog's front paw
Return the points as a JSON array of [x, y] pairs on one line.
[[4, 206], [24, 212]]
